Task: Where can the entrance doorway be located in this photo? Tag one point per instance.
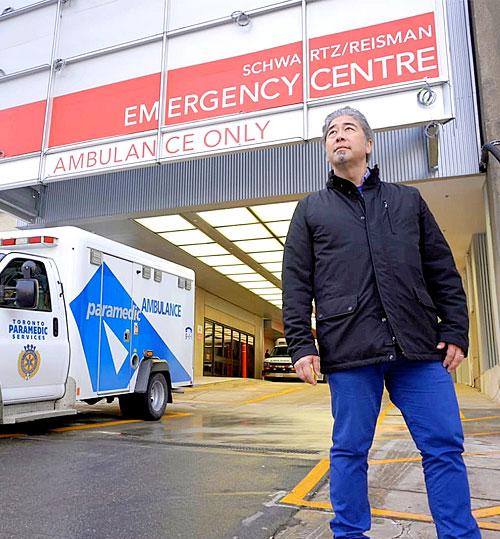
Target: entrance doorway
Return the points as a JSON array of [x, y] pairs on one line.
[[227, 351]]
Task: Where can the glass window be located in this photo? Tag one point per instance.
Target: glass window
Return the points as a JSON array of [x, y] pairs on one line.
[[279, 351], [219, 359], [250, 353], [9, 277], [236, 356], [227, 352], [208, 350]]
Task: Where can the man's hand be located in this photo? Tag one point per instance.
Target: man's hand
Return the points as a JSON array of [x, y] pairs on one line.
[[454, 356], [307, 368]]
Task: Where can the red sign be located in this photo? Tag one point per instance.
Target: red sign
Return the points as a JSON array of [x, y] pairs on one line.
[[375, 56], [378, 55], [21, 129], [258, 81], [99, 112]]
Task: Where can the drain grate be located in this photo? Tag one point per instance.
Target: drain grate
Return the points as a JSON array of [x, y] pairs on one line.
[[247, 448], [233, 447]]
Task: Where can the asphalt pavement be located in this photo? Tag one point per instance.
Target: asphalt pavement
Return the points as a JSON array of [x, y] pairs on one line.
[[215, 466], [236, 459]]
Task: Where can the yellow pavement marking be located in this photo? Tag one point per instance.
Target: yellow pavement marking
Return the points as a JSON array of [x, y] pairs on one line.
[[383, 413], [96, 425], [173, 415], [402, 428], [392, 428], [193, 389], [402, 515], [384, 437], [487, 511], [482, 454], [170, 415], [300, 491], [486, 525], [392, 461], [273, 395], [491, 433], [485, 418], [418, 459], [312, 505]]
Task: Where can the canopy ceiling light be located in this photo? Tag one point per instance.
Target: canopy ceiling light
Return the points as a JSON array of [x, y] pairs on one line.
[[228, 238], [165, 223], [186, 237]]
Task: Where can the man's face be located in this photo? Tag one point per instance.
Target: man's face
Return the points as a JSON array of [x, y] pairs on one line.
[[346, 143]]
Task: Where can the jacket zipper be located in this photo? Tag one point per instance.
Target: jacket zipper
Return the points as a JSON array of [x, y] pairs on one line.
[[386, 207]]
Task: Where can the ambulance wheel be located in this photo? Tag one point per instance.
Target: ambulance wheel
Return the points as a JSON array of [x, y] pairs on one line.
[[156, 397]]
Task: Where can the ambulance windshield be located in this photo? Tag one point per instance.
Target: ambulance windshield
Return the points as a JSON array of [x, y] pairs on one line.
[[279, 351]]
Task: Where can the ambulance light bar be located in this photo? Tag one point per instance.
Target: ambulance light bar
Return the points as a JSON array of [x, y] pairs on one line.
[[32, 240]]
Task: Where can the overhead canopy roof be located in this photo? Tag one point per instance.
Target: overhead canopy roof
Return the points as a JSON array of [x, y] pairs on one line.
[[245, 244]]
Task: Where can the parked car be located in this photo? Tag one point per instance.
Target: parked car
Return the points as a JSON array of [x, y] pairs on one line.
[[279, 364]]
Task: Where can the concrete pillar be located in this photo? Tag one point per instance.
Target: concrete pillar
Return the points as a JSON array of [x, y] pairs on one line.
[[485, 17], [199, 331]]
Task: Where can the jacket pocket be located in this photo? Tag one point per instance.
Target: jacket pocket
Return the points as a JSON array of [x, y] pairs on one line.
[[424, 298], [334, 307]]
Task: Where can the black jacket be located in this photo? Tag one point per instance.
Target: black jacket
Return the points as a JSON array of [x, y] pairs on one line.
[[379, 271]]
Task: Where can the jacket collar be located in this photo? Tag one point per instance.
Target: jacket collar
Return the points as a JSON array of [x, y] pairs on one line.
[[346, 186]]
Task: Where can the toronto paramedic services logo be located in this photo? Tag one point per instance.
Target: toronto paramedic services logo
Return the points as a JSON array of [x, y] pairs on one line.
[[28, 362]]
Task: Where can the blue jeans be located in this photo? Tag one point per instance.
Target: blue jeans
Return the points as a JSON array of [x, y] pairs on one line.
[[424, 392]]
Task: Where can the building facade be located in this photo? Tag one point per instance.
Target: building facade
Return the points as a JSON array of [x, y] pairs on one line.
[[191, 131]]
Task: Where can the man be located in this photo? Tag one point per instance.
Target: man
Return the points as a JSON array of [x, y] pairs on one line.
[[380, 272]]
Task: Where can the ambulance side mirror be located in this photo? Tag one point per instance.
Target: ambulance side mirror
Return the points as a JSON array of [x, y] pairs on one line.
[[26, 293]]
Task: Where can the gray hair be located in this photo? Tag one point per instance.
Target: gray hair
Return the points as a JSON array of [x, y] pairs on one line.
[[353, 113]]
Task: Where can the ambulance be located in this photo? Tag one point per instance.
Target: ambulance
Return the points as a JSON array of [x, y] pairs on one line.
[[279, 363], [84, 318]]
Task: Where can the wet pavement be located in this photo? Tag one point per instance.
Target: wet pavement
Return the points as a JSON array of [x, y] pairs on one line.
[[233, 459], [213, 467], [397, 490]]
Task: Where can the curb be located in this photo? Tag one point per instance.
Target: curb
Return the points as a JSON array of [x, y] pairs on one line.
[[235, 382]]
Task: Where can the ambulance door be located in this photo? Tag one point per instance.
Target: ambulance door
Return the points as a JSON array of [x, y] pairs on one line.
[[34, 343], [165, 323], [116, 317]]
